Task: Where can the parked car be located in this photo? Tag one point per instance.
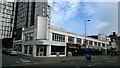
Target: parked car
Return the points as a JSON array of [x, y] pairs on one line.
[[4, 50], [11, 51]]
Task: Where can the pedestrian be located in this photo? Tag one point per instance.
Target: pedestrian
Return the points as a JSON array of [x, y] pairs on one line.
[[88, 56]]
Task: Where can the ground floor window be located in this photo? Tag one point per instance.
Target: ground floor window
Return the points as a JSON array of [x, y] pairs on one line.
[[25, 49], [30, 49], [60, 49], [41, 50], [18, 47]]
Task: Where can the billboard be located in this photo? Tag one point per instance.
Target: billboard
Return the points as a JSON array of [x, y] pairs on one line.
[[42, 28]]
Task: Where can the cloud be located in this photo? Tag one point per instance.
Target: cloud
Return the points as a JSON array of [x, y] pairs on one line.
[[63, 11], [103, 15]]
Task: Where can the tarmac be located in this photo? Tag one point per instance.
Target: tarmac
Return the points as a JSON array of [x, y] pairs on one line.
[[65, 59]]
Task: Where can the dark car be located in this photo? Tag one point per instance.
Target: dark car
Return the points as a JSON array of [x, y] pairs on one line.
[[11, 51]]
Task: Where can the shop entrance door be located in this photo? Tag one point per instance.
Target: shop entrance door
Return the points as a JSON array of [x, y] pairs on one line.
[[41, 51]]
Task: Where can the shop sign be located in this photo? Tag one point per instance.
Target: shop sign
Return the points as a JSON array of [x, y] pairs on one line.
[[40, 42]]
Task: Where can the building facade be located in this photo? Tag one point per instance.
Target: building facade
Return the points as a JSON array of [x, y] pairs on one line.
[[34, 36], [7, 13], [46, 41]]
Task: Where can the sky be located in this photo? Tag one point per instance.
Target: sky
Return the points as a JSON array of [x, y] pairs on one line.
[[72, 16]]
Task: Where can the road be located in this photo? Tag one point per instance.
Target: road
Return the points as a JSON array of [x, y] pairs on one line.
[[74, 61], [113, 61]]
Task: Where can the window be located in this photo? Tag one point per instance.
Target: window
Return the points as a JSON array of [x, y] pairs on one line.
[[99, 44], [58, 37], [86, 42], [31, 36], [26, 37], [90, 42], [55, 49], [103, 45], [71, 39], [95, 43], [78, 40]]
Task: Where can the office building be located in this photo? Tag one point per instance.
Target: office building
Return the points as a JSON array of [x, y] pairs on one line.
[[7, 12]]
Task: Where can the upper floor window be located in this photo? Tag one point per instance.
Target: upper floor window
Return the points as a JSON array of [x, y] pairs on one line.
[[58, 37], [78, 40], [90, 42], [71, 39], [26, 37], [29, 36], [95, 43]]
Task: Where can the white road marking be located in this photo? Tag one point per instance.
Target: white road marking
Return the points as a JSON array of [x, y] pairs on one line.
[[25, 61], [89, 65], [17, 62]]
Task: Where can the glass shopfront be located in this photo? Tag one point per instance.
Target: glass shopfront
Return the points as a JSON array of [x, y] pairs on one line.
[[41, 50], [55, 49]]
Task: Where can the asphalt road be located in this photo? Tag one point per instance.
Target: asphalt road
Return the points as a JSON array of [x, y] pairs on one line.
[[20, 61], [113, 61]]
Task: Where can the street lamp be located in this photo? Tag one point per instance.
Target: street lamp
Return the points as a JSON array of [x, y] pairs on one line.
[[85, 30]]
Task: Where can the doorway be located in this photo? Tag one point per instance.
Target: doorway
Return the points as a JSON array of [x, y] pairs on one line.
[[41, 50]]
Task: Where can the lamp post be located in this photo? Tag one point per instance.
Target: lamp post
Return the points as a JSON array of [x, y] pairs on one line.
[[85, 29]]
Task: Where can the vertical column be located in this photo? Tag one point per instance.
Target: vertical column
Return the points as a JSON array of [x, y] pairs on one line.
[[82, 41], [93, 43], [88, 43], [27, 49], [66, 38], [65, 50], [105, 46], [49, 50], [75, 40], [23, 49], [50, 36], [34, 50], [100, 44], [97, 43]]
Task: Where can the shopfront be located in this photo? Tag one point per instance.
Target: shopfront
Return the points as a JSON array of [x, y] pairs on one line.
[[41, 50], [57, 49], [18, 47], [75, 49], [28, 50]]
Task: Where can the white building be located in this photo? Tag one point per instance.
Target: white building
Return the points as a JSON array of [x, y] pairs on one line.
[[45, 40]]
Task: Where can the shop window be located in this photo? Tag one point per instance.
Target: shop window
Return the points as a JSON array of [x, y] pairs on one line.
[[25, 49], [55, 49], [30, 49]]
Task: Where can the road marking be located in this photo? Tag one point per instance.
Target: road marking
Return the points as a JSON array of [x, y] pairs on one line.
[[25, 61], [17, 62], [89, 65]]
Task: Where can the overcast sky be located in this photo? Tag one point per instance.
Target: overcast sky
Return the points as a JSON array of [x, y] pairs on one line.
[[71, 16]]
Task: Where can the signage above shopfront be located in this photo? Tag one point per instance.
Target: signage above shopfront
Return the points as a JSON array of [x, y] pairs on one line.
[[40, 42]]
